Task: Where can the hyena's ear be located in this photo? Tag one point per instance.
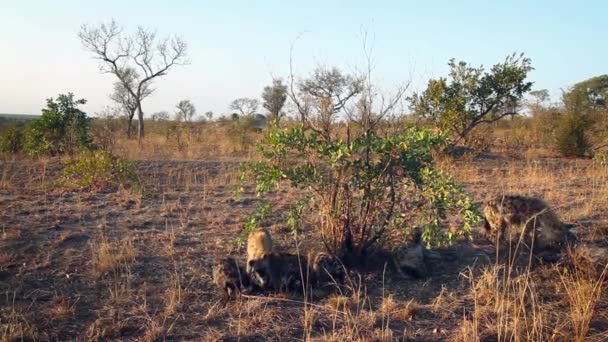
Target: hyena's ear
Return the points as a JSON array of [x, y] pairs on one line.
[[251, 263]]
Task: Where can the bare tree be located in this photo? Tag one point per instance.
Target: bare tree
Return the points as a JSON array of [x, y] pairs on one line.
[[373, 105], [538, 100], [122, 96], [163, 115], [274, 98], [245, 106], [142, 51], [323, 95], [185, 111]]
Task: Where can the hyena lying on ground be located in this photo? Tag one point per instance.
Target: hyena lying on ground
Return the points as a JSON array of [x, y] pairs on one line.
[[230, 277], [327, 270], [297, 273], [280, 272], [513, 218]]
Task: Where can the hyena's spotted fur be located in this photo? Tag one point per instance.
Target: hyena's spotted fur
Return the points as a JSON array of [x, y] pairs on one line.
[[230, 277], [327, 270], [281, 272], [514, 219]]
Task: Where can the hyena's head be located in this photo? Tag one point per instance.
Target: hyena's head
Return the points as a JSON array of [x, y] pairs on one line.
[[328, 268], [260, 270]]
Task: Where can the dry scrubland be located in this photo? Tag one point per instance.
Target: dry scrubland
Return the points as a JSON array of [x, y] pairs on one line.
[[113, 264]]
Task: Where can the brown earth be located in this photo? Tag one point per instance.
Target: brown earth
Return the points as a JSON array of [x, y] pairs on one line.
[[116, 265]]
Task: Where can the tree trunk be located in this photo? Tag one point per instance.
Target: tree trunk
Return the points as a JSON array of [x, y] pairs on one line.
[[130, 124], [140, 117]]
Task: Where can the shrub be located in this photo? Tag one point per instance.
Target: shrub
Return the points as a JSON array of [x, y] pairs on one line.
[[357, 191], [11, 138], [106, 128], [473, 96], [62, 128], [571, 135], [98, 170]]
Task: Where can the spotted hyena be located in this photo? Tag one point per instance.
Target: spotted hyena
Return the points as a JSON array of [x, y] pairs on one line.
[[259, 245], [281, 272], [514, 219], [327, 270], [230, 277]]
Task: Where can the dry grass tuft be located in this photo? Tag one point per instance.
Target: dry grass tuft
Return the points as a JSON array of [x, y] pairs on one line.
[[61, 308], [106, 257], [10, 233], [15, 326], [583, 294], [339, 303], [445, 304]]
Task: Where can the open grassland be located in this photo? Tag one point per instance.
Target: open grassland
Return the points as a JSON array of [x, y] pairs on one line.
[[123, 266]]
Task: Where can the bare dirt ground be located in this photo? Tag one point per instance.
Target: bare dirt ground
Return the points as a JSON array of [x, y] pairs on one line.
[[121, 266]]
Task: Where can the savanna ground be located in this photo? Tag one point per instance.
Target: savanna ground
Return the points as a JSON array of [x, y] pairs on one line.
[[112, 264]]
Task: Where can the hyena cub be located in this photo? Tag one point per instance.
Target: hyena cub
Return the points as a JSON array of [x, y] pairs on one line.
[[281, 272], [514, 218], [327, 270], [409, 257], [230, 277], [259, 245]]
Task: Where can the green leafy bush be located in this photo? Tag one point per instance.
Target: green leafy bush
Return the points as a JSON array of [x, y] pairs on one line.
[[11, 138], [571, 135], [62, 128], [471, 96], [99, 170], [357, 191]]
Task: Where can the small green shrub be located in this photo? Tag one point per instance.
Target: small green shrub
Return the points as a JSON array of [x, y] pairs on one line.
[[62, 128], [99, 170], [11, 138], [571, 136]]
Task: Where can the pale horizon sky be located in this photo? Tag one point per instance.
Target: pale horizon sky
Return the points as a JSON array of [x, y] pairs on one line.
[[235, 47]]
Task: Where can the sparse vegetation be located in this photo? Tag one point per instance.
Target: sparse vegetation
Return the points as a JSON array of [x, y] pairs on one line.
[[99, 170], [11, 138], [571, 135], [369, 230]]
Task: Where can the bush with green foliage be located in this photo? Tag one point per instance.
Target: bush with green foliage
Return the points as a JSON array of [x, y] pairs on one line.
[[11, 138], [472, 96], [99, 170], [571, 135], [356, 191], [62, 128]]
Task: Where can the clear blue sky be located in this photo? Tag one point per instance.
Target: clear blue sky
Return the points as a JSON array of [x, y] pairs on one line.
[[235, 46]]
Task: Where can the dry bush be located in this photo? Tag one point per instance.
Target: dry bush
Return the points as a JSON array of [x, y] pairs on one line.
[[106, 128], [481, 139], [192, 141]]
